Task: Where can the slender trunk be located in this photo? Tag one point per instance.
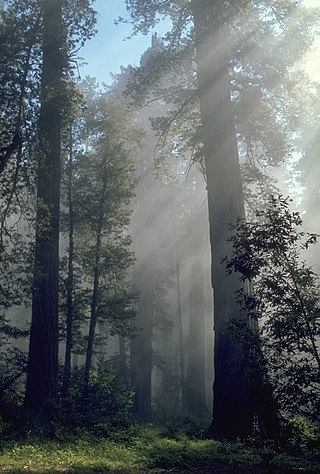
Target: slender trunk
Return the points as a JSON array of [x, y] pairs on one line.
[[233, 408], [144, 246], [42, 380], [180, 335], [195, 377], [70, 285], [209, 339], [141, 345], [95, 290], [122, 360]]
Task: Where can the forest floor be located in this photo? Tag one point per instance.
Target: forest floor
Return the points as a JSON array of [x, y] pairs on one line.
[[217, 469], [150, 451]]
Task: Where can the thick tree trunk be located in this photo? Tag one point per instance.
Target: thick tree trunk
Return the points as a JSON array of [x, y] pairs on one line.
[[233, 409], [43, 351]]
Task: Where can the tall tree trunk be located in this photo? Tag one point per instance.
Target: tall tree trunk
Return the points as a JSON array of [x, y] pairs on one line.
[[144, 246], [96, 284], [233, 410], [195, 377], [208, 337], [141, 345], [123, 360], [70, 283], [182, 358], [43, 350]]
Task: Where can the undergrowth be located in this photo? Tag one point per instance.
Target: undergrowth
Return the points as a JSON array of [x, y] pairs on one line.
[[144, 448]]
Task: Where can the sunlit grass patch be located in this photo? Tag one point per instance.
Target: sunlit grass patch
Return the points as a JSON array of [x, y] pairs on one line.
[[168, 453], [144, 449], [78, 455]]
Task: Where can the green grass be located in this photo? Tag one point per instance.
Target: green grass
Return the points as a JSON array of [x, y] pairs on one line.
[[146, 449], [77, 455]]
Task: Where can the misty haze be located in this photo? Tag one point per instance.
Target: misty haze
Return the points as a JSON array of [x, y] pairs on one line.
[[159, 255]]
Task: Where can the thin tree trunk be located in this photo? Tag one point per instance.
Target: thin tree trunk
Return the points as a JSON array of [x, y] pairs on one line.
[[195, 376], [122, 360], [95, 290], [141, 345], [144, 246], [70, 283], [180, 335], [42, 379]]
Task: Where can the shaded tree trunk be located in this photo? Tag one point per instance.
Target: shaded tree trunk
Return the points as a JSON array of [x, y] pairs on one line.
[[123, 360], [141, 346], [196, 366], [70, 282], [144, 245], [96, 284], [182, 358], [233, 410], [93, 316], [236, 400], [43, 350]]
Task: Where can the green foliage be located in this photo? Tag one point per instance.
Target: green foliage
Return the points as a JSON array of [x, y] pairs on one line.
[[97, 187], [105, 407], [285, 302], [263, 88], [301, 435], [13, 367], [143, 450], [103, 411]]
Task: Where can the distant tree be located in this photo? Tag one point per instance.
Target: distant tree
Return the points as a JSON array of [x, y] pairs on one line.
[[195, 374], [285, 304], [143, 275], [20, 36], [99, 188], [307, 167], [70, 279]]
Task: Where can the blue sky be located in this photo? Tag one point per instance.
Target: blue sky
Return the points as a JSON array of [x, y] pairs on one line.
[[108, 50]]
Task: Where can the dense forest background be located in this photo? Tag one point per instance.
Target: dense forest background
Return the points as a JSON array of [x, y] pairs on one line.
[[158, 236]]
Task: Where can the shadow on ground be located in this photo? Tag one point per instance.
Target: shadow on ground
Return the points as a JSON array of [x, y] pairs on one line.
[[216, 469]]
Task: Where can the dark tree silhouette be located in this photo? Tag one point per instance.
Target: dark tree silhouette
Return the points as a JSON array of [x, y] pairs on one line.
[[42, 380]]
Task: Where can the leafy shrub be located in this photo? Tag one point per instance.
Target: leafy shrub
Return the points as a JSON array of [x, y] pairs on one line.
[[284, 306], [106, 406]]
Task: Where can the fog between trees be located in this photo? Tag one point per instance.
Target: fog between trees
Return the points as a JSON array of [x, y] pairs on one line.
[[116, 212]]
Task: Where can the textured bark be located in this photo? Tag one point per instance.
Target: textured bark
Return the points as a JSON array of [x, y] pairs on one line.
[[233, 410], [43, 350]]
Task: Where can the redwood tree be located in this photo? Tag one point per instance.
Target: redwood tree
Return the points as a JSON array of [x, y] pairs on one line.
[[233, 409], [235, 73], [42, 380]]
